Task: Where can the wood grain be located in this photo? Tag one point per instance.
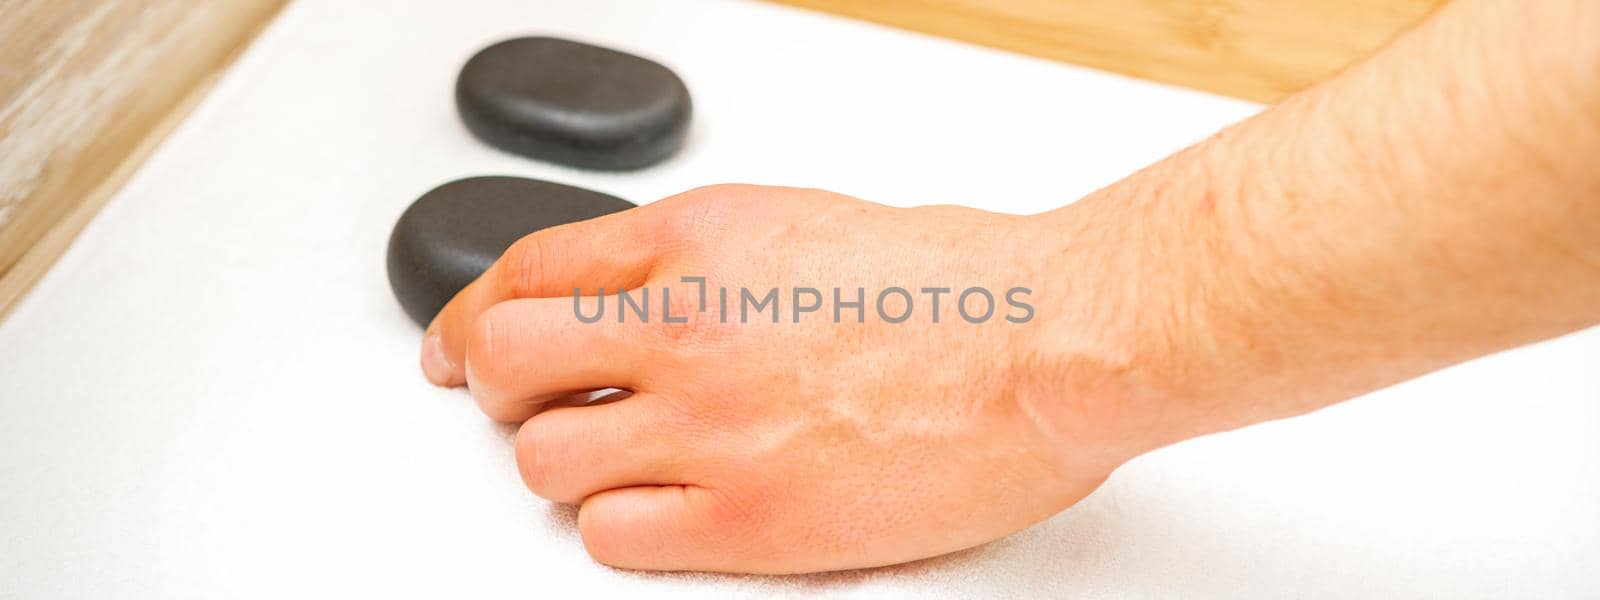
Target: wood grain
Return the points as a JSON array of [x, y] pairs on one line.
[[88, 88], [1258, 50]]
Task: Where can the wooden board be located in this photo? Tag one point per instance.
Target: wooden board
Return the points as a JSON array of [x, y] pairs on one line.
[[87, 89], [1258, 50]]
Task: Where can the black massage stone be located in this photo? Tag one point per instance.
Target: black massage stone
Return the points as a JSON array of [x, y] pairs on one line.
[[573, 103], [454, 232]]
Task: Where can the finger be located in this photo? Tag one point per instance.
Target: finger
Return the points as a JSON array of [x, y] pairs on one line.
[[522, 353], [567, 454], [614, 251], [673, 528]]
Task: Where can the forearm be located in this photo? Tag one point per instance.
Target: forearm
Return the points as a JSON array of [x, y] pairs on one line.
[[1437, 203]]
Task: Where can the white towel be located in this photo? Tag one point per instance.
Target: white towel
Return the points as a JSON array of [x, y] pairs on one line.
[[213, 394]]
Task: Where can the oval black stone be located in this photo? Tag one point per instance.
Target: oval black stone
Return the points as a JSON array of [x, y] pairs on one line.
[[573, 103], [454, 232]]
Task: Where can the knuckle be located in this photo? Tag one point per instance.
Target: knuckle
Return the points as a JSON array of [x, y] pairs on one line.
[[691, 328], [535, 460], [523, 266], [731, 513], [705, 211], [487, 346], [716, 191]]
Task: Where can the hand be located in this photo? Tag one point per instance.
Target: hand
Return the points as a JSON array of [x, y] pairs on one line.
[[790, 447], [1317, 251]]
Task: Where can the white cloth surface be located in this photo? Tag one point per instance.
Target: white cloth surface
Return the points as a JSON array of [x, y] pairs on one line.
[[214, 394]]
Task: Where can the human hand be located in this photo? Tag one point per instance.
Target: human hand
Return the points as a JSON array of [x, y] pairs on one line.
[[789, 446], [1315, 252]]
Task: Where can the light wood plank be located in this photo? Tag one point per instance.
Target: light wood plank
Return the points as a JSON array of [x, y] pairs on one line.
[[1258, 50], [88, 88]]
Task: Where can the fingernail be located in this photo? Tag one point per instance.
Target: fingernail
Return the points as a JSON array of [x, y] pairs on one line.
[[435, 365]]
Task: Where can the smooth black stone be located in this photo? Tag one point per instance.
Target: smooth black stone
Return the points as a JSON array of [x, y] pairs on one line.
[[454, 232], [573, 103]]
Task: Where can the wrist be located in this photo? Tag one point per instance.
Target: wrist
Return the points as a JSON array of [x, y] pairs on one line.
[[1115, 360]]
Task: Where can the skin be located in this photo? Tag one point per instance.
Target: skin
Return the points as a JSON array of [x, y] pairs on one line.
[[1438, 202]]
